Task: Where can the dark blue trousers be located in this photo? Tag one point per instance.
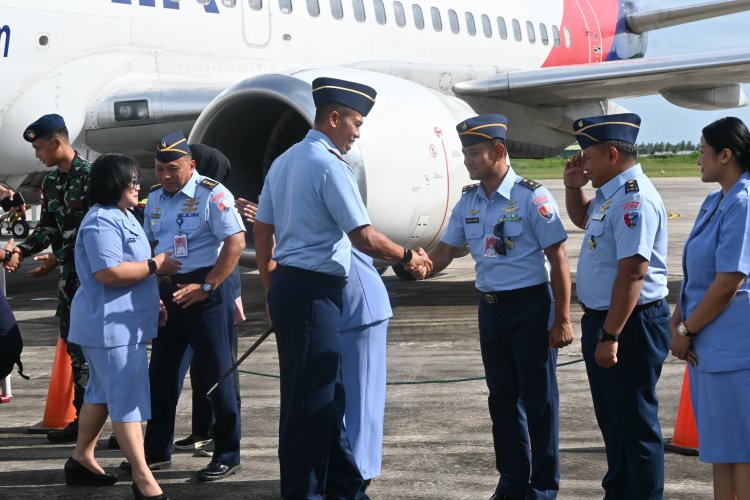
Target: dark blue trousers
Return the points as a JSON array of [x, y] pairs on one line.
[[204, 327], [522, 379], [625, 402], [314, 452]]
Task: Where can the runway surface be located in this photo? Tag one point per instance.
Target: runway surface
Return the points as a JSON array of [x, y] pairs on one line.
[[437, 430]]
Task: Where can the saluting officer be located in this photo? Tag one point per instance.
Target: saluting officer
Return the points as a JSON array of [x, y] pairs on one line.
[[64, 204], [510, 224], [621, 284], [194, 218], [311, 202]]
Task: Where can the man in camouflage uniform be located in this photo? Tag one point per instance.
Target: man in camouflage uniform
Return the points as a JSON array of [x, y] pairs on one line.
[[64, 203]]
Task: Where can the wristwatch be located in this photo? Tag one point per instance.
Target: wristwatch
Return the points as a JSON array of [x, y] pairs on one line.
[[603, 336], [207, 287], [151, 266], [407, 256], [8, 255], [682, 330]]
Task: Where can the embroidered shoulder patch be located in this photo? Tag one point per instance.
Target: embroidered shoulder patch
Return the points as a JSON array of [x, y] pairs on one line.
[[631, 218], [529, 183]]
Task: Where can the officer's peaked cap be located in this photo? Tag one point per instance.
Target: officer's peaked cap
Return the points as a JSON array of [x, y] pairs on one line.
[[172, 147], [620, 127], [43, 126], [482, 128], [355, 95]]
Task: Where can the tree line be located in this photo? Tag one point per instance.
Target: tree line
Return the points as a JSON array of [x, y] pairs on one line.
[[660, 148]]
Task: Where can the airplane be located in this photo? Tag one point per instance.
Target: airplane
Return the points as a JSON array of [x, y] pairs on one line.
[[236, 75]]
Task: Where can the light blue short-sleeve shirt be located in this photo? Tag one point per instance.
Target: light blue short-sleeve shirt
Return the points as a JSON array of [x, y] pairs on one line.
[[310, 196], [111, 316], [365, 296], [530, 221], [203, 210], [720, 243], [626, 218]]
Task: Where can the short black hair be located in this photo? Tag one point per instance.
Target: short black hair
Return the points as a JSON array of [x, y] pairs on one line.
[[110, 175], [61, 132], [730, 133], [322, 113], [625, 148]]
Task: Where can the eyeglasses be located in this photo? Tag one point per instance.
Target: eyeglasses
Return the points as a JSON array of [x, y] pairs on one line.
[[135, 183], [500, 243]]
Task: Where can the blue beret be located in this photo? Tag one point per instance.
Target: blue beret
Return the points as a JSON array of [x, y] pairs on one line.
[[621, 127], [172, 147], [43, 126], [357, 96], [482, 128]]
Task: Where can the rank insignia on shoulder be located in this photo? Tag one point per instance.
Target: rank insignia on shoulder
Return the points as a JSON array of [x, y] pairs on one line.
[[632, 186], [469, 187], [529, 183], [154, 188], [210, 184]]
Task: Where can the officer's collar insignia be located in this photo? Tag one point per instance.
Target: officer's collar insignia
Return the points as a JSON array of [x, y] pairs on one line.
[[30, 135], [473, 211]]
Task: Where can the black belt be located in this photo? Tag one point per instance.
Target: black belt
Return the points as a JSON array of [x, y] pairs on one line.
[[313, 276], [603, 312], [496, 297], [197, 276]]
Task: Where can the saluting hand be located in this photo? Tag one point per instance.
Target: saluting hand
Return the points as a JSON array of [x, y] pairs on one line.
[[574, 176], [560, 335], [248, 209]]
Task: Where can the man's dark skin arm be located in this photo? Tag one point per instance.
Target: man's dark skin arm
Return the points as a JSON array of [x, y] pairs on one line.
[[372, 242]]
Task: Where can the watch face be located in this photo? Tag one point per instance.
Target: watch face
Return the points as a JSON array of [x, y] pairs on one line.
[[206, 287], [682, 329]]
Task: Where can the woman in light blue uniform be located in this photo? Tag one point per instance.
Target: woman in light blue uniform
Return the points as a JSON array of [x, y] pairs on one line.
[[113, 315], [364, 327], [710, 323]]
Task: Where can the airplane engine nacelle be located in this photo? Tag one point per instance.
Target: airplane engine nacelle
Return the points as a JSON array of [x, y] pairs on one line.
[[408, 161]]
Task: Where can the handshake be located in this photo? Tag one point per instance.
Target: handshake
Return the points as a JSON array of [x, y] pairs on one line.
[[420, 265]]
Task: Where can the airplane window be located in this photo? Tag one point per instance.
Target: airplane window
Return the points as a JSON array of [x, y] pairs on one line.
[[437, 21], [398, 11], [486, 26], [543, 33], [416, 10], [517, 30], [453, 20], [285, 6], [337, 10], [379, 11], [556, 35], [530, 31], [359, 10], [229, 3], [501, 28], [470, 26], [313, 8], [566, 33], [255, 4]]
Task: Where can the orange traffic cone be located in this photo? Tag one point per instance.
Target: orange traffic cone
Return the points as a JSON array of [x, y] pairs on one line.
[[685, 440], [59, 410]]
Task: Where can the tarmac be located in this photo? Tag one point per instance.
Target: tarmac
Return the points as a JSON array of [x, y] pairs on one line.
[[437, 442]]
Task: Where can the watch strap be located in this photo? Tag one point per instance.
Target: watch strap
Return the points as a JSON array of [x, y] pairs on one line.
[[151, 266], [608, 337]]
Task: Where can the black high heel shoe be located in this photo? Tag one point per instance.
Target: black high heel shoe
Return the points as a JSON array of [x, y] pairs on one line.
[[78, 475], [140, 496]]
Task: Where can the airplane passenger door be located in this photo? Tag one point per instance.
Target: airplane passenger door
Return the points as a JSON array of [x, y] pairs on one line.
[[256, 21]]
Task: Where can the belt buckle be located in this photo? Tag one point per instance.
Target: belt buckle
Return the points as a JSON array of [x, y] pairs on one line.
[[490, 298]]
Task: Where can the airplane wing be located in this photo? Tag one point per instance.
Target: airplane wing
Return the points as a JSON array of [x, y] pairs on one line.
[[698, 81]]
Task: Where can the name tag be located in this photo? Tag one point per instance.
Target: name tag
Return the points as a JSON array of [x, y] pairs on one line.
[[471, 220], [180, 245]]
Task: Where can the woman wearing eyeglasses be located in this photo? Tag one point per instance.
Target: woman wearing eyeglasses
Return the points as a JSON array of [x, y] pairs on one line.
[[710, 322], [113, 315]]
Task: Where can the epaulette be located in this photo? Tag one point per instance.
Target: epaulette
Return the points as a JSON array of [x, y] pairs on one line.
[[632, 186], [208, 183], [469, 187], [154, 188], [533, 185]]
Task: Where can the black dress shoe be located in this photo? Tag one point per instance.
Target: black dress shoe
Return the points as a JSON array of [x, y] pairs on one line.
[[78, 475], [112, 442], [217, 470], [68, 434], [140, 496], [153, 464]]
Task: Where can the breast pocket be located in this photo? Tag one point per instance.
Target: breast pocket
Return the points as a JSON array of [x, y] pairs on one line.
[[595, 227], [513, 228], [473, 231], [190, 224]]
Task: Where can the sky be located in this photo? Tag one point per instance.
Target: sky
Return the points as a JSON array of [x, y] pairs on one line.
[[663, 121]]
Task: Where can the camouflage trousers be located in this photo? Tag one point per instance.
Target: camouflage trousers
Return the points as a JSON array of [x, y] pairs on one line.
[[67, 287]]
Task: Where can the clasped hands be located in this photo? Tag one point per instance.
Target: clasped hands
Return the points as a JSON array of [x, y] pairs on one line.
[[420, 265]]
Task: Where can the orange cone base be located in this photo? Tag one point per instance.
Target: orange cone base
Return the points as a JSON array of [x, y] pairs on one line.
[[59, 410], [685, 440]]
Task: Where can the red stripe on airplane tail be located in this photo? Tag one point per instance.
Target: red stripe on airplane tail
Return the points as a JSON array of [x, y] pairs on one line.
[[591, 25]]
